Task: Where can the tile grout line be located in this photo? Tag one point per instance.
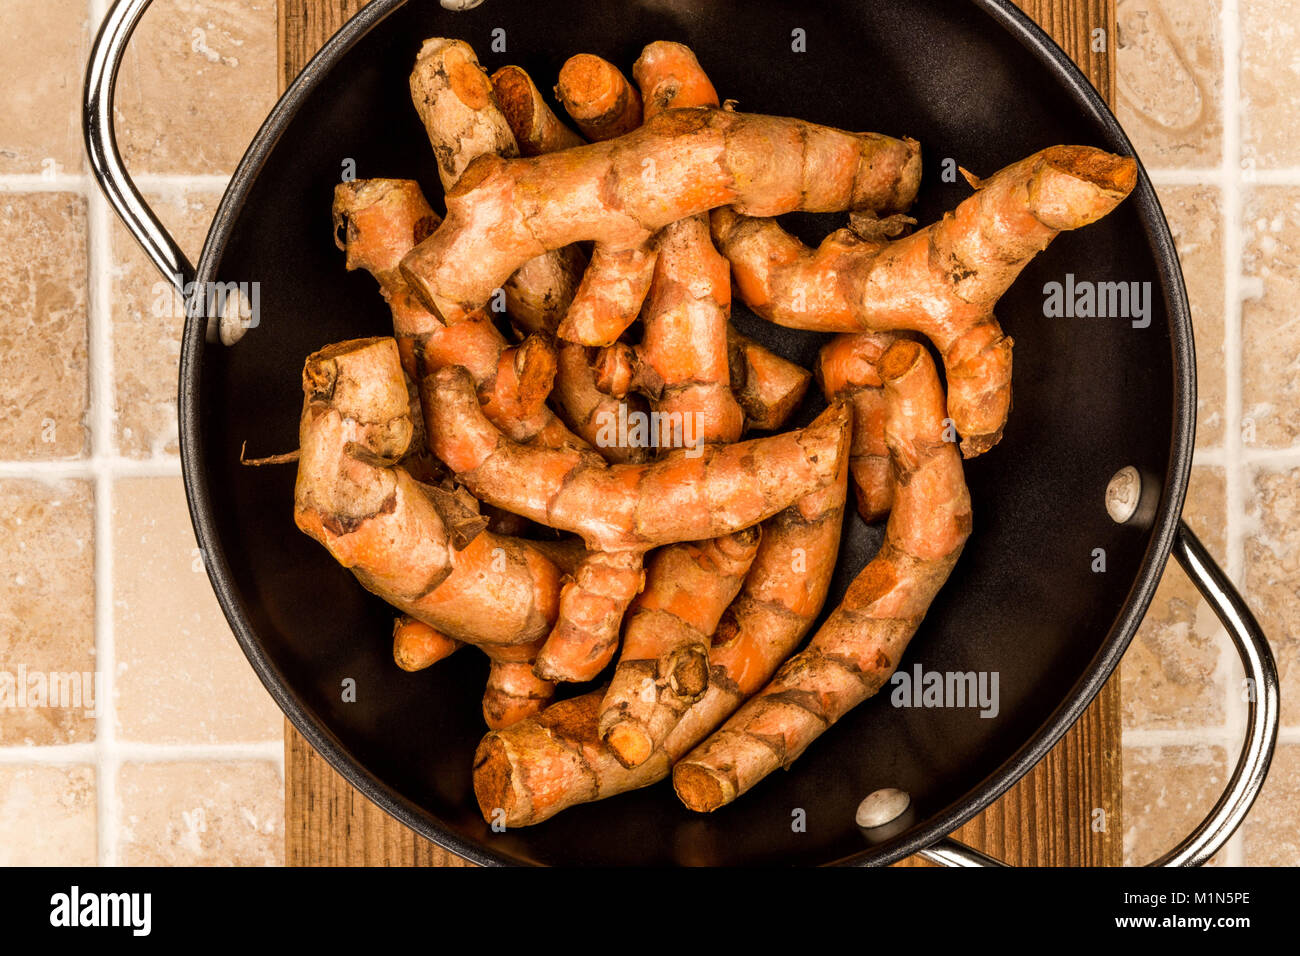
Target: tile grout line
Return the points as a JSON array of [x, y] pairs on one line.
[[1234, 717], [102, 446], [263, 751], [55, 469]]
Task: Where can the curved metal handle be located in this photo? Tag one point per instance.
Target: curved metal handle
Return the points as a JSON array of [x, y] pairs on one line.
[[109, 171], [101, 146], [1263, 705]]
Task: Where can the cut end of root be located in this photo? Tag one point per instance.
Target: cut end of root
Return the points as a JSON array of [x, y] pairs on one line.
[[972, 446], [1116, 174], [493, 779], [700, 788], [900, 358], [630, 744]]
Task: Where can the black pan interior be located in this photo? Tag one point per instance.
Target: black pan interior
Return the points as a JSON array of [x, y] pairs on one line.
[[1091, 395]]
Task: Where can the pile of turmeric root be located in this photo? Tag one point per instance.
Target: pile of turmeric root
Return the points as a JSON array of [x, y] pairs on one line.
[[489, 472]]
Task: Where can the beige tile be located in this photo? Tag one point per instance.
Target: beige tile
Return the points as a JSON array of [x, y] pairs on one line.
[[1273, 574], [44, 382], [43, 49], [47, 612], [147, 325], [1270, 317], [1195, 215], [180, 677], [1270, 84], [1169, 77], [1167, 791], [1169, 675], [1272, 837], [47, 816], [198, 80], [213, 813]]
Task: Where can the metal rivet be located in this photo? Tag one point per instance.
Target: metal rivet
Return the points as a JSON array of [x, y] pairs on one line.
[[459, 5], [881, 807], [1122, 494]]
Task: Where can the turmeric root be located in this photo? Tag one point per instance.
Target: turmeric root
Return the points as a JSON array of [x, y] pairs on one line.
[[536, 127], [604, 105], [855, 651], [942, 281], [663, 667], [458, 108], [610, 294], [463, 119], [586, 409], [682, 359], [513, 692], [592, 605], [689, 495], [384, 526], [416, 645], [670, 77], [376, 222], [580, 404], [504, 212], [621, 511], [768, 387], [847, 368], [598, 97], [556, 759]]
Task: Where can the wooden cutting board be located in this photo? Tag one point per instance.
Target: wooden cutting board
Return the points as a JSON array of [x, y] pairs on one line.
[[1044, 820]]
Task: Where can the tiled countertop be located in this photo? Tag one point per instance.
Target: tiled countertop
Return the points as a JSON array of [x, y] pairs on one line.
[[180, 761]]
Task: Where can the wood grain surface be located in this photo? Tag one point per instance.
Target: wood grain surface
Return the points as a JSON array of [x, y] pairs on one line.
[[1047, 819]]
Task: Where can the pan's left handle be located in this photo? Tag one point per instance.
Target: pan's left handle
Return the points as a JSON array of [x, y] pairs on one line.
[[1263, 706], [109, 171]]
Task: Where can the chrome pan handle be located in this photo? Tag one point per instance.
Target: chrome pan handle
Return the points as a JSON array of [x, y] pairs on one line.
[[1263, 705]]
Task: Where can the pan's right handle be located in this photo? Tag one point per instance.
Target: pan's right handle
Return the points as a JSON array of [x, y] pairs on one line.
[[101, 146], [1262, 711]]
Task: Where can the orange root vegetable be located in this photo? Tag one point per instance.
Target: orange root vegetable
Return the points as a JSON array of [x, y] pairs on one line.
[[682, 362], [592, 605], [513, 692], [621, 511], [619, 193], [859, 646], [670, 77], [610, 294], [768, 387], [664, 664], [536, 127], [585, 408], [557, 760], [598, 97], [942, 281], [848, 368], [689, 495], [400, 537], [579, 402], [463, 119], [458, 108], [376, 222], [416, 645], [684, 365], [604, 105]]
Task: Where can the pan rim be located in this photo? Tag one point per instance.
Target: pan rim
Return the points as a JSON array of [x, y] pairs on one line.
[[1164, 524]]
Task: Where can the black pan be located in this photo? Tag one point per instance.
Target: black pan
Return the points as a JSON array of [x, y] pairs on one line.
[[974, 82]]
